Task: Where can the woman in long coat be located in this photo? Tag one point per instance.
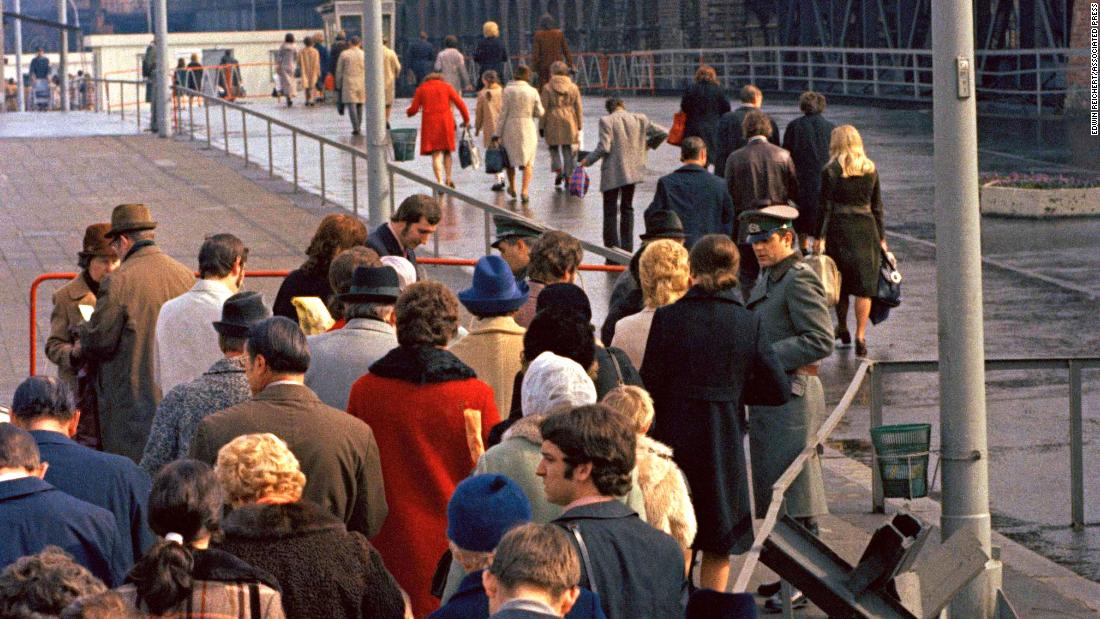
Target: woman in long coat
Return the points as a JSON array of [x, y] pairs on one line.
[[437, 125], [548, 47], [286, 64], [490, 101], [624, 137], [704, 103], [851, 229], [351, 82], [517, 128], [700, 355], [452, 64], [310, 61], [562, 122]]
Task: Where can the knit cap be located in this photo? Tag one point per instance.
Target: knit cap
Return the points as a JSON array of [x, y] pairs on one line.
[[482, 509], [552, 381]]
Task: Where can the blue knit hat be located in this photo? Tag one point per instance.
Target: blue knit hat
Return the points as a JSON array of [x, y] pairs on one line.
[[482, 509]]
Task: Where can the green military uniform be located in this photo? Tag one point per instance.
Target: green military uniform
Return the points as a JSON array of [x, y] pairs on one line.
[[794, 318], [508, 229]]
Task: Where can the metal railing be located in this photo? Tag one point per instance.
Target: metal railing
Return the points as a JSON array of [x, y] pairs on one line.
[[878, 370], [185, 121], [109, 95]]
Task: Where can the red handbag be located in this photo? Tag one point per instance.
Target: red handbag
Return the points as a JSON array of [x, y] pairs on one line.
[[676, 132]]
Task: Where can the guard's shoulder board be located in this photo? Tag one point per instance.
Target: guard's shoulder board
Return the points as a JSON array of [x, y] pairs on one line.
[[800, 265]]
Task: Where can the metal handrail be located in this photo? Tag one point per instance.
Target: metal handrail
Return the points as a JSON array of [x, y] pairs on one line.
[[877, 371], [122, 84], [489, 210]]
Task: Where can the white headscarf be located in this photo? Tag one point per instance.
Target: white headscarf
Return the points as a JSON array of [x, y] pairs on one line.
[[552, 381], [406, 272]]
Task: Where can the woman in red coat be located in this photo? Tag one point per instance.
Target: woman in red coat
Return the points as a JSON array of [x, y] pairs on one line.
[[431, 417], [437, 125]]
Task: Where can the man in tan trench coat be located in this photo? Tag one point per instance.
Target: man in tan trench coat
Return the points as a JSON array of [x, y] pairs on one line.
[[120, 336]]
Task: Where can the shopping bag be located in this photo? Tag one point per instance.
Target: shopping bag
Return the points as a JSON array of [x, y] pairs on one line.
[[578, 182], [676, 132], [828, 273], [468, 152], [889, 289], [330, 82], [496, 159]]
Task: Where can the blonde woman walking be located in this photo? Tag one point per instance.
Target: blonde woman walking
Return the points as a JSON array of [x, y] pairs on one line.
[[851, 229]]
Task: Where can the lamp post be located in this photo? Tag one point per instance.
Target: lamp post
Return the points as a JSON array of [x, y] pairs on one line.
[[160, 90]]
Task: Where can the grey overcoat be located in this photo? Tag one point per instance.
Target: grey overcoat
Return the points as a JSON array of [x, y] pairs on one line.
[[121, 339], [794, 317], [338, 358], [622, 147]]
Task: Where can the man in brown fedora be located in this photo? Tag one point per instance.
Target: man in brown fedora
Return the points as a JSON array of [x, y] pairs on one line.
[[120, 337]]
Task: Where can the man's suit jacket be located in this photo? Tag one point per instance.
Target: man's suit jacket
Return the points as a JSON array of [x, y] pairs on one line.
[[701, 200], [338, 453], [756, 171]]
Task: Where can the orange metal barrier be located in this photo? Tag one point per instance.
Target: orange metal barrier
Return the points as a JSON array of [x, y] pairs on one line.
[[45, 277]]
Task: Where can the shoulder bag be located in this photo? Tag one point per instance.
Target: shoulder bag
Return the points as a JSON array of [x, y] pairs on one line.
[[676, 132], [889, 288]]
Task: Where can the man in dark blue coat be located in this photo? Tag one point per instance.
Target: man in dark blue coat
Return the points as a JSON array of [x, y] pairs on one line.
[[700, 198], [729, 135], [421, 57], [43, 406], [34, 514], [588, 453], [410, 226], [807, 139]]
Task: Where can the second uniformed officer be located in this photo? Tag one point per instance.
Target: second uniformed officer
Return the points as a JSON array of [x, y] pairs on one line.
[[794, 317]]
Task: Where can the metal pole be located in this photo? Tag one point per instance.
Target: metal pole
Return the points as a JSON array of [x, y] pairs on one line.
[[160, 93], [878, 501], [1076, 449], [20, 93], [279, 15], [3, 57], [63, 70], [963, 432], [149, 16], [379, 204]]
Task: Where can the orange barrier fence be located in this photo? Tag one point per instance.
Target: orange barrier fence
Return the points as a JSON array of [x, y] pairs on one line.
[[45, 277]]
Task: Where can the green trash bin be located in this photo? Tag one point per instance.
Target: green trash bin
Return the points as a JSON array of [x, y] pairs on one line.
[[404, 144], [901, 454]]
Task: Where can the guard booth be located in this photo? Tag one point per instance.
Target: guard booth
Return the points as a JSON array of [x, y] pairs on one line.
[[347, 15]]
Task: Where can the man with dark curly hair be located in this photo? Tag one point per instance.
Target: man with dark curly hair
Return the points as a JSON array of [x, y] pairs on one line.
[[587, 457], [555, 259], [43, 584], [431, 415]]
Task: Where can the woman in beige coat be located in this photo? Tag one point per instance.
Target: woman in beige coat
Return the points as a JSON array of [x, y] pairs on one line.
[[561, 124], [309, 59], [351, 82], [286, 64], [487, 113], [517, 129]]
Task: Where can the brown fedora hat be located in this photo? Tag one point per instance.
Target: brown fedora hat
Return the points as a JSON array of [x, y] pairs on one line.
[[96, 242], [129, 218]]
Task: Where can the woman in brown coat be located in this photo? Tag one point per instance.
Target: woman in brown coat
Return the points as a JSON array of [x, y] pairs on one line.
[[309, 60], [561, 121], [549, 47], [96, 260], [489, 103]]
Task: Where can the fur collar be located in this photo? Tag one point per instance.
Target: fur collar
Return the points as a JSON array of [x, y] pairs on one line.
[[257, 521], [421, 365], [654, 459], [526, 428], [220, 566]]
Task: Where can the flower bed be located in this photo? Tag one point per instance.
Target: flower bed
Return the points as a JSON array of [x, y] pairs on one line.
[[1040, 195]]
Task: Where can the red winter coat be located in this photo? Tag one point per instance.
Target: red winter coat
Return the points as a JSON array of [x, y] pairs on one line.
[[437, 125], [415, 400]]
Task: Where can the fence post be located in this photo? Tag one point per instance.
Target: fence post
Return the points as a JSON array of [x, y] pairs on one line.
[[191, 118], [270, 156], [324, 193], [878, 501], [294, 148], [225, 128], [206, 108], [488, 232], [916, 78], [1038, 87], [244, 135], [354, 187], [779, 67], [1076, 448], [874, 73], [137, 106], [810, 69]]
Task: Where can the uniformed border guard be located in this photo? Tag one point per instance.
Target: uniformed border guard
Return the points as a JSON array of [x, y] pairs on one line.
[[794, 317]]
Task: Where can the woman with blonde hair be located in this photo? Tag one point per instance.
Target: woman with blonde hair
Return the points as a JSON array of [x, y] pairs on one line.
[[851, 230], [324, 570], [490, 54], [664, 273]]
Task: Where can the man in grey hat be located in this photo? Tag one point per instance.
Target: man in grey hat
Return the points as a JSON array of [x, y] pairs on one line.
[[121, 336], [513, 241], [794, 319], [338, 358], [221, 386]]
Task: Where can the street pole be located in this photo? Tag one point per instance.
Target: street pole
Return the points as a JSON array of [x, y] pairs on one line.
[[3, 61], [21, 94], [160, 92], [965, 504], [279, 13], [380, 204], [63, 71]]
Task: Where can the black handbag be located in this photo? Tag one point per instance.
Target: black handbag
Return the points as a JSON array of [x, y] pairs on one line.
[[889, 289], [496, 159]]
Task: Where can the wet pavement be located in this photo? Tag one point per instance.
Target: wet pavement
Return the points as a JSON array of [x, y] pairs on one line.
[[1039, 289]]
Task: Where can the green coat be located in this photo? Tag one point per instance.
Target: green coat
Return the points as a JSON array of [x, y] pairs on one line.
[[794, 318]]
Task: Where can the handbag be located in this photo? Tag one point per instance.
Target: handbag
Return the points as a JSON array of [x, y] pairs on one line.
[[578, 182], [676, 132], [828, 273], [468, 152], [496, 158], [889, 288]]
